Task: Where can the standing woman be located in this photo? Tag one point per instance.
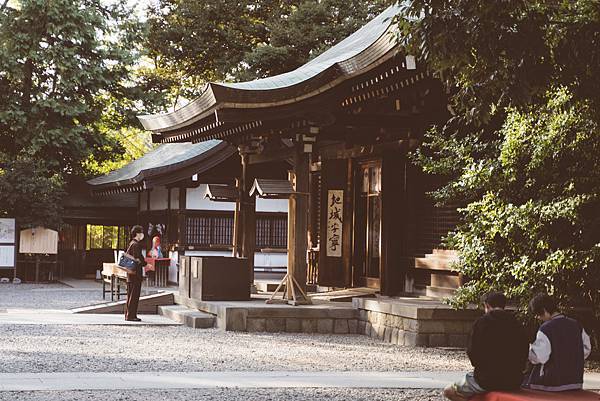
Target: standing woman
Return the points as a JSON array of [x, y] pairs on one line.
[[134, 281]]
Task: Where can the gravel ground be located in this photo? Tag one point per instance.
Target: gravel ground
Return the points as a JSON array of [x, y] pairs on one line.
[[47, 296], [35, 349], [308, 394], [25, 348]]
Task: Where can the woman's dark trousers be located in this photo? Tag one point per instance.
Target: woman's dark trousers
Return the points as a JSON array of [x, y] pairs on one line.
[[134, 288]]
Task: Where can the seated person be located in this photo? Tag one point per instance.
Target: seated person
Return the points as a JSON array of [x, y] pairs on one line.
[[497, 350], [156, 251], [559, 350]]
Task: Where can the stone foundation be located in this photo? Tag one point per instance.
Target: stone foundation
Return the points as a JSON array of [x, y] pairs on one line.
[[255, 316], [402, 321], [301, 325], [417, 324]]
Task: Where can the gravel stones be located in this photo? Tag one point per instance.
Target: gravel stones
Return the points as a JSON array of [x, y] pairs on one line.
[[46, 348], [228, 394], [48, 296]]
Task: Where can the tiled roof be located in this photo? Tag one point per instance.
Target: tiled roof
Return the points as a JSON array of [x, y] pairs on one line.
[[170, 155]]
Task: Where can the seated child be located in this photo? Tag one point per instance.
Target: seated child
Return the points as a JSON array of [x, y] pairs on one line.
[[559, 350], [497, 350]]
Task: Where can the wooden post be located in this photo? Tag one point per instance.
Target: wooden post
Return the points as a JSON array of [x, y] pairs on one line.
[[248, 208], [168, 230], [37, 268], [298, 213], [181, 218], [237, 222], [298, 218]]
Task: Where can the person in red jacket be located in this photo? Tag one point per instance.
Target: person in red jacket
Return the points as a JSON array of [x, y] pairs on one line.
[[498, 350]]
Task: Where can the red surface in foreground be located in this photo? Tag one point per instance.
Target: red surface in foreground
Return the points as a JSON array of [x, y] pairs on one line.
[[527, 395]]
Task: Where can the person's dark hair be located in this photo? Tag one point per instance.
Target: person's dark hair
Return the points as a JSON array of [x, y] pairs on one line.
[[541, 303], [135, 230], [495, 299]]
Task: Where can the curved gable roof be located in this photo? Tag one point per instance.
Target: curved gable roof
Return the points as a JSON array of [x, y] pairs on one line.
[[351, 55], [344, 50]]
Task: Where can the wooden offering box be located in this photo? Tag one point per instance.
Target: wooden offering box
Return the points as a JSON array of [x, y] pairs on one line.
[[218, 278]]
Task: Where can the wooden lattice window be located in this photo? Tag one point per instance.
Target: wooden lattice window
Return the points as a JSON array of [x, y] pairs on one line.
[[271, 232], [209, 230]]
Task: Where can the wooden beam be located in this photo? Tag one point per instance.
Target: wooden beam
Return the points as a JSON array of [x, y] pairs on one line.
[[340, 151], [272, 155], [394, 121]]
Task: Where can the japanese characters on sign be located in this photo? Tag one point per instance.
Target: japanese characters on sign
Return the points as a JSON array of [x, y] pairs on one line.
[[335, 222]]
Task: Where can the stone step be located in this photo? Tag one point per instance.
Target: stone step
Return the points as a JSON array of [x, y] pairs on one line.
[[445, 280], [263, 286], [439, 292], [188, 317], [442, 256], [445, 252], [433, 264], [148, 304]]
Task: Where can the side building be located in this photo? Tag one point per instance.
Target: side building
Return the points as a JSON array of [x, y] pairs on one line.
[[186, 194]]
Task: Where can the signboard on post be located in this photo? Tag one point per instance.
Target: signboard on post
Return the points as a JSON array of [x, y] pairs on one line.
[[335, 222], [39, 240]]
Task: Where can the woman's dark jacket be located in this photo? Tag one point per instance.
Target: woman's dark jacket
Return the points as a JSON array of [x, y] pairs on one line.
[[135, 250]]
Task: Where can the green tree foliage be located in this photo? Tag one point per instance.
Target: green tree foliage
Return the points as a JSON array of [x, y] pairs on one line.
[[30, 193], [63, 63], [192, 41], [520, 149], [537, 226]]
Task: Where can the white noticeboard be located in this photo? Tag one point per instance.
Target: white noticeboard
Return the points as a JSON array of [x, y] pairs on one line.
[[39, 240], [7, 256], [335, 222], [7, 231]]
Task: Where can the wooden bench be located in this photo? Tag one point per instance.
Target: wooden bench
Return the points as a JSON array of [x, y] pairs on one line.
[[529, 395], [116, 277]]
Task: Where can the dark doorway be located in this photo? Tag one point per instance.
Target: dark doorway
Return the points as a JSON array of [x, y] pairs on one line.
[[367, 223]]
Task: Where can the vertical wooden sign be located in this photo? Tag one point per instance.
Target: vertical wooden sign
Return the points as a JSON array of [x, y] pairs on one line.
[[335, 222]]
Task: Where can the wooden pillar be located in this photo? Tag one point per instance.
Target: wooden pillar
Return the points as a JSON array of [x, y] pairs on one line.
[[248, 216], [395, 216], [298, 209], [181, 221], [237, 222], [168, 229]]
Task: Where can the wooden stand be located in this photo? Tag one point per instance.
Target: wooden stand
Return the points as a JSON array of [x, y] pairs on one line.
[[298, 296]]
